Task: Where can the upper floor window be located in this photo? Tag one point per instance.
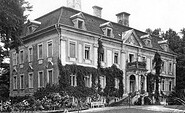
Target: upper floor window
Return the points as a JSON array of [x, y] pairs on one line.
[[50, 76], [73, 80], [49, 49], [87, 80], [78, 21], [40, 51], [30, 54], [162, 84], [40, 79], [14, 58], [87, 52], [163, 66], [116, 57], [30, 80], [21, 56], [21, 81], [131, 57], [170, 67], [15, 82], [72, 46]]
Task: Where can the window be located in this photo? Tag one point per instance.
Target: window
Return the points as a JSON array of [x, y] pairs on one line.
[[170, 67], [108, 32], [15, 82], [73, 80], [163, 66], [116, 83], [30, 77], [148, 43], [14, 58], [40, 79], [131, 57], [116, 58], [87, 52], [21, 81], [30, 54], [40, 51], [72, 49], [50, 49], [80, 24], [87, 80], [50, 76], [103, 81], [21, 57], [163, 84], [170, 85]]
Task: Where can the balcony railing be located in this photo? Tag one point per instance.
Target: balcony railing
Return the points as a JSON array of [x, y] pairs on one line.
[[136, 65]]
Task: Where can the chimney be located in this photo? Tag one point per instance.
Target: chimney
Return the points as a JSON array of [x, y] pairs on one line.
[[97, 11], [123, 18], [75, 4]]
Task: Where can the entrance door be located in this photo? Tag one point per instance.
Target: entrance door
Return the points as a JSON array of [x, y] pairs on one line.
[[132, 83]]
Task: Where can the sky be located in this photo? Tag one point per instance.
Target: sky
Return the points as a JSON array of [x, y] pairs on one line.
[[145, 14]]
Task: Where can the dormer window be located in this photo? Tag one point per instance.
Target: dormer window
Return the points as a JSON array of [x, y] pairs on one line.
[[163, 44], [109, 32], [32, 26], [80, 24], [148, 43], [78, 21], [107, 29]]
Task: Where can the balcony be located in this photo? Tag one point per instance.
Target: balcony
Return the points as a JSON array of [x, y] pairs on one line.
[[136, 65]]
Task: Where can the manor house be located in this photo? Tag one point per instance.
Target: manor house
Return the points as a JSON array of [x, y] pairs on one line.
[[72, 35]]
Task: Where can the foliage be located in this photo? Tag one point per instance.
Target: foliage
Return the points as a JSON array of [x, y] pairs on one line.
[[12, 20], [111, 73]]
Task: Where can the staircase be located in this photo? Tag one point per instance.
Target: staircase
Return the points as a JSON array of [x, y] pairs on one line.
[[126, 100]]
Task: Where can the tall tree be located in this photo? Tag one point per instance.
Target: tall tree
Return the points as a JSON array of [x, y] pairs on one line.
[[12, 19], [157, 62]]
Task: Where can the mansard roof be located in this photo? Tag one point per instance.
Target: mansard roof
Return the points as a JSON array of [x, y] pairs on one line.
[[62, 16]]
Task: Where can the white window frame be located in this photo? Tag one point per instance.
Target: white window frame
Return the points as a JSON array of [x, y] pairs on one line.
[[21, 84], [82, 26], [170, 68], [89, 78], [129, 57], [48, 76], [39, 51], [107, 32], [21, 60], [118, 57], [14, 57], [14, 82], [39, 84], [75, 42], [30, 83], [29, 55], [48, 42], [73, 83], [89, 54]]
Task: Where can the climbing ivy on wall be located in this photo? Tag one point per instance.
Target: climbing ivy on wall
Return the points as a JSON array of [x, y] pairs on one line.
[[80, 71]]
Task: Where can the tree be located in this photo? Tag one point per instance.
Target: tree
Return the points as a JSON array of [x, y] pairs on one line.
[[11, 24], [12, 20], [157, 62]]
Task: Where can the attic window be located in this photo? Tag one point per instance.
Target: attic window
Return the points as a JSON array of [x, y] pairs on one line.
[[108, 32], [148, 43], [80, 24]]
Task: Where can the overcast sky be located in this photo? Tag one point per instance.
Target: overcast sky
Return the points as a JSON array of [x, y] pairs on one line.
[[145, 14]]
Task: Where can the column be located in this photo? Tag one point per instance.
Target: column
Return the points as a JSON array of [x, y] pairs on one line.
[[137, 82], [145, 83]]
